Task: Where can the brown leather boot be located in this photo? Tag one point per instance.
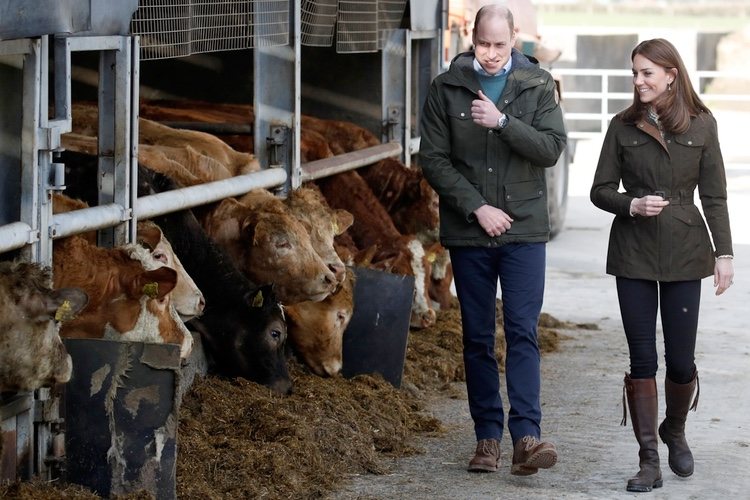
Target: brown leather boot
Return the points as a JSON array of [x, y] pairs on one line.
[[487, 456], [644, 406], [530, 455], [679, 398]]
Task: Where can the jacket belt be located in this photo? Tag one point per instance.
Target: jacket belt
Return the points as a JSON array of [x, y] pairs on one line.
[[681, 197]]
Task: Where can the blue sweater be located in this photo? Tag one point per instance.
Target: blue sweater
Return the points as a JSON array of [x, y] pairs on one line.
[[493, 86]]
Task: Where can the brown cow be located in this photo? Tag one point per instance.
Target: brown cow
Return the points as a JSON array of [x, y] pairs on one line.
[[127, 302], [32, 354], [270, 246], [342, 136], [394, 252], [323, 224], [186, 297], [407, 196], [316, 329], [441, 276]]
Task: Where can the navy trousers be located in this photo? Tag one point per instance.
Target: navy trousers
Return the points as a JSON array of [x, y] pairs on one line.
[[679, 302], [520, 268]]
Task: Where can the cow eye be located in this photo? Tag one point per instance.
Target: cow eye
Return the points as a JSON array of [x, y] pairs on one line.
[[160, 256], [283, 243], [275, 334]]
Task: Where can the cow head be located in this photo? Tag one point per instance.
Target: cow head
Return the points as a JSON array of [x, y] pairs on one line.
[[316, 329], [127, 301], [271, 246], [187, 299], [251, 342], [32, 354], [323, 224]]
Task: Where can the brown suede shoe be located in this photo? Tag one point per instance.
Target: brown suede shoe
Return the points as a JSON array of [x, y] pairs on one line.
[[530, 455], [487, 456]]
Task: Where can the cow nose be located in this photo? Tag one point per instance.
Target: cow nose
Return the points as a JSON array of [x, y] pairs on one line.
[[339, 272], [332, 367], [201, 303], [282, 387]]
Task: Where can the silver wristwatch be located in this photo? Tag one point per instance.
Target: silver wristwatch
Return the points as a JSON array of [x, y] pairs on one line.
[[502, 121]]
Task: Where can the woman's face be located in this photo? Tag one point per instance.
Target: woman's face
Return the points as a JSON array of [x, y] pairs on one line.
[[650, 79]]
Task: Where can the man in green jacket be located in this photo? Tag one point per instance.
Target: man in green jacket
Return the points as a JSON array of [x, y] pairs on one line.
[[491, 125]]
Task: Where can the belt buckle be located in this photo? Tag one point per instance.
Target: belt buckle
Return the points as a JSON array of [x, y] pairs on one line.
[[661, 193]]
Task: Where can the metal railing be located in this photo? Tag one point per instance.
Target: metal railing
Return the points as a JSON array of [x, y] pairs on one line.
[[605, 96]]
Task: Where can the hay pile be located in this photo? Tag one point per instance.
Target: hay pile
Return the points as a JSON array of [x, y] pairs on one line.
[[238, 440]]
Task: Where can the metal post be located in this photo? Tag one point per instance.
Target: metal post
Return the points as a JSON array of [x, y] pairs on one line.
[[276, 98]]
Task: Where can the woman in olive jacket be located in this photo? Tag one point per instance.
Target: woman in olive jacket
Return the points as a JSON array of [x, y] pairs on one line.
[[661, 148]]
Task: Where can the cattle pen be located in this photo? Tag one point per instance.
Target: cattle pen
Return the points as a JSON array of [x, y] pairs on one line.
[[262, 77]]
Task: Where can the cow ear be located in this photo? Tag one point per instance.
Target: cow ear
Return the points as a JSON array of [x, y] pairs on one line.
[[65, 303], [342, 220], [149, 235], [155, 284], [253, 227]]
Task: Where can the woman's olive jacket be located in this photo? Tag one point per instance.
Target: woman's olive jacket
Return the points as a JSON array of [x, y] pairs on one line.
[[469, 165], [674, 245]]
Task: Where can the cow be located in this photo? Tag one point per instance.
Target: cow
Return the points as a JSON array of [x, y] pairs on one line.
[[441, 276], [186, 297], [32, 354], [323, 223], [270, 246], [210, 157], [243, 328], [394, 252], [342, 136], [316, 329], [407, 197], [126, 300]]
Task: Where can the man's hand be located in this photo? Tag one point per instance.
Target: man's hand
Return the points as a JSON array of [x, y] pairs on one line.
[[484, 112], [493, 220]]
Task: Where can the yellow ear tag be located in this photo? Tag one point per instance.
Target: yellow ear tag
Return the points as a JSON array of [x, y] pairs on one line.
[[64, 312], [258, 299], [151, 289], [431, 257]]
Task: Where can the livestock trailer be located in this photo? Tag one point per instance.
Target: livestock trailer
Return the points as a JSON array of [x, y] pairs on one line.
[[367, 62]]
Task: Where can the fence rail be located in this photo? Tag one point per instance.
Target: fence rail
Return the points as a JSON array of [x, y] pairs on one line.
[[605, 96]]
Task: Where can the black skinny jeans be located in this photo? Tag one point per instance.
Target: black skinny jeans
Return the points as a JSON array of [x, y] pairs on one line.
[[680, 301]]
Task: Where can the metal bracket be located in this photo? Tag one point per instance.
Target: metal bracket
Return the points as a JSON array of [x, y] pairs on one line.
[[393, 123], [277, 156]]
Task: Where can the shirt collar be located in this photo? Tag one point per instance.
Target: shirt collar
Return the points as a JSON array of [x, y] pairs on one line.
[[479, 69]]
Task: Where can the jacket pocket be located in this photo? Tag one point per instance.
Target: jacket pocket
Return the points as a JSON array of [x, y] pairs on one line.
[[688, 151], [526, 203], [523, 110], [690, 238]]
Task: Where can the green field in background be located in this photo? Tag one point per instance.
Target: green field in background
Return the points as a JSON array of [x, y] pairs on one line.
[[625, 20]]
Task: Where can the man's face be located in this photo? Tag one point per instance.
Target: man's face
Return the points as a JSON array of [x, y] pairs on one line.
[[493, 43]]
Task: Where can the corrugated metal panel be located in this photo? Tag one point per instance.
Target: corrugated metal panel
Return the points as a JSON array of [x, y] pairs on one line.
[[176, 28], [357, 26], [390, 13], [318, 22]]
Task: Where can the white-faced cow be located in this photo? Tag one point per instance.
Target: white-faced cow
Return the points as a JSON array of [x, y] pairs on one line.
[[187, 299], [126, 301], [373, 227], [32, 354]]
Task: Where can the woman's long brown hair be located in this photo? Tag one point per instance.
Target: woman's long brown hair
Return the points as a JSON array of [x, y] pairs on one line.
[[675, 107]]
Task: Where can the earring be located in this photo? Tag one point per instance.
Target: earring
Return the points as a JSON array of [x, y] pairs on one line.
[[669, 86]]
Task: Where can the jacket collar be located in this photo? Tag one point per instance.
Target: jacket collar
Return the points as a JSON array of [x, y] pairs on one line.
[[461, 71]]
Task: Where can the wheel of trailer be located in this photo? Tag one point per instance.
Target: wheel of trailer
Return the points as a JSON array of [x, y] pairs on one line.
[[557, 191]]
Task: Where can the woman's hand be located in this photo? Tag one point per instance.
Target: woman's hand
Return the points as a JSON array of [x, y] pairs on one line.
[[723, 275], [648, 206]]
